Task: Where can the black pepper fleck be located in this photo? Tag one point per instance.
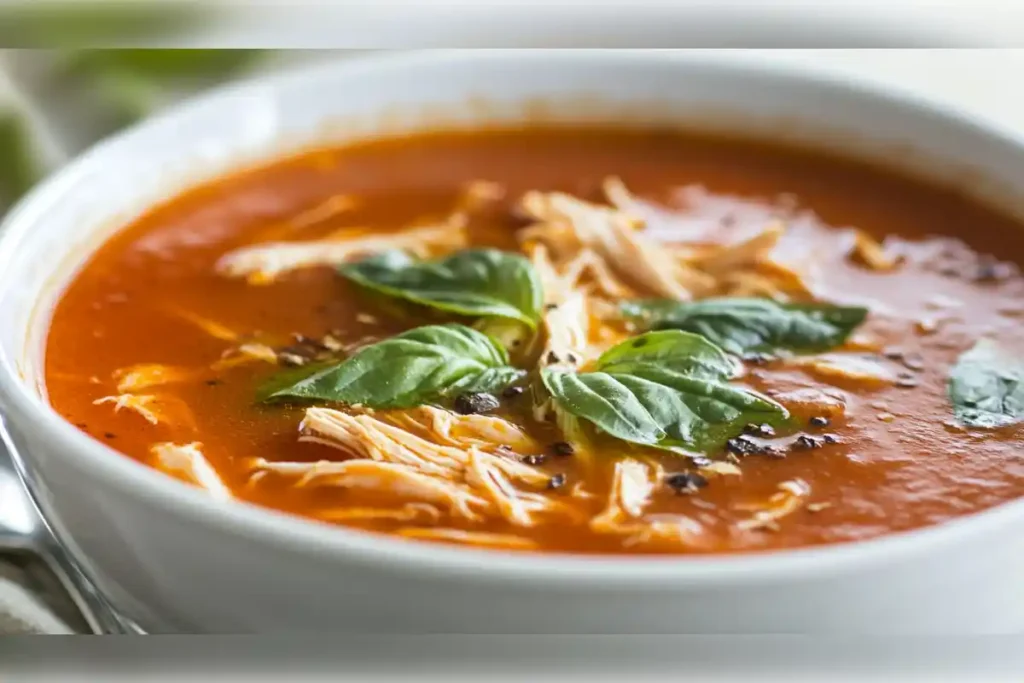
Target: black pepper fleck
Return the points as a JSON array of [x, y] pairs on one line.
[[685, 482], [762, 430], [757, 358], [475, 403], [512, 392], [893, 353], [804, 442], [109, 435], [990, 270], [557, 481], [742, 446], [550, 307], [213, 382], [552, 357], [534, 459], [818, 421], [562, 448], [830, 438]]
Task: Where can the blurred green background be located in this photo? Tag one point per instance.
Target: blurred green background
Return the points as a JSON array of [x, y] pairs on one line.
[[54, 103]]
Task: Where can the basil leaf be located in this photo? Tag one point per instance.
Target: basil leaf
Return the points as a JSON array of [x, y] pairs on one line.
[[667, 389], [986, 387], [285, 379], [741, 325], [420, 366], [477, 282], [688, 353]]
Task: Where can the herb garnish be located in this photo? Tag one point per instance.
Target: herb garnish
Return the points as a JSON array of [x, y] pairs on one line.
[[745, 325], [986, 387], [424, 365], [472, 282], [667, 389]]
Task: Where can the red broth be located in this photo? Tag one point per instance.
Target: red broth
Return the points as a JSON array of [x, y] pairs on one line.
[[891, 456]]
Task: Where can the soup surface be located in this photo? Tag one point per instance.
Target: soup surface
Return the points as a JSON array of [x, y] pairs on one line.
[[615, 342]]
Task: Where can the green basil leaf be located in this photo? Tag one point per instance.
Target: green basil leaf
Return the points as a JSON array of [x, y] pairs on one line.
[[667, 389], [986, 387], [742, 325], [684, 352], [475, 282], [420, 366], [284, 379]]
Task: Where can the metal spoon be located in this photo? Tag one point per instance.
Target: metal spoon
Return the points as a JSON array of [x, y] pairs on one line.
[[27, 541]]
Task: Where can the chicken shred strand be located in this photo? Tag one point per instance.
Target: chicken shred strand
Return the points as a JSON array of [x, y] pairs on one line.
[[477, 538], [263, 263], [186, 461], [397, 478]]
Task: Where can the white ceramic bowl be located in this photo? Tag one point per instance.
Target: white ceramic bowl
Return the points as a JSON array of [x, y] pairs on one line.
[[175, 560]]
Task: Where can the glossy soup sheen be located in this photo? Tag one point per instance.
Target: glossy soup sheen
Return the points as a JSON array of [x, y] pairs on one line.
[[895, 461]]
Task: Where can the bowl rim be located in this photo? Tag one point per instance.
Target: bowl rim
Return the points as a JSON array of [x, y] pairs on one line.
[[347, 545]]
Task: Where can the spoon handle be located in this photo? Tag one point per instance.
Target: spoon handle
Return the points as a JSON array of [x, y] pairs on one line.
[[96, 611], [31, 535]]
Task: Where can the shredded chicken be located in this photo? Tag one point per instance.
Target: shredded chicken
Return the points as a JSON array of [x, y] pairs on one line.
[[632, 487], [720, 468], [847, 368], [813, 401], [146, 375], [609, 247], [566, 225], [873, 254], [263, 263], [470, 538], [747, 253], [784, 277], [245, 354], [154, 409], [329, 208], [186, 461], [667, 530], [418, 513], [465, 431], [210, 327], [481, 473], [478, 194], [619, 196], [792, 495], [566, 329], [369, 437], [396, 478]]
